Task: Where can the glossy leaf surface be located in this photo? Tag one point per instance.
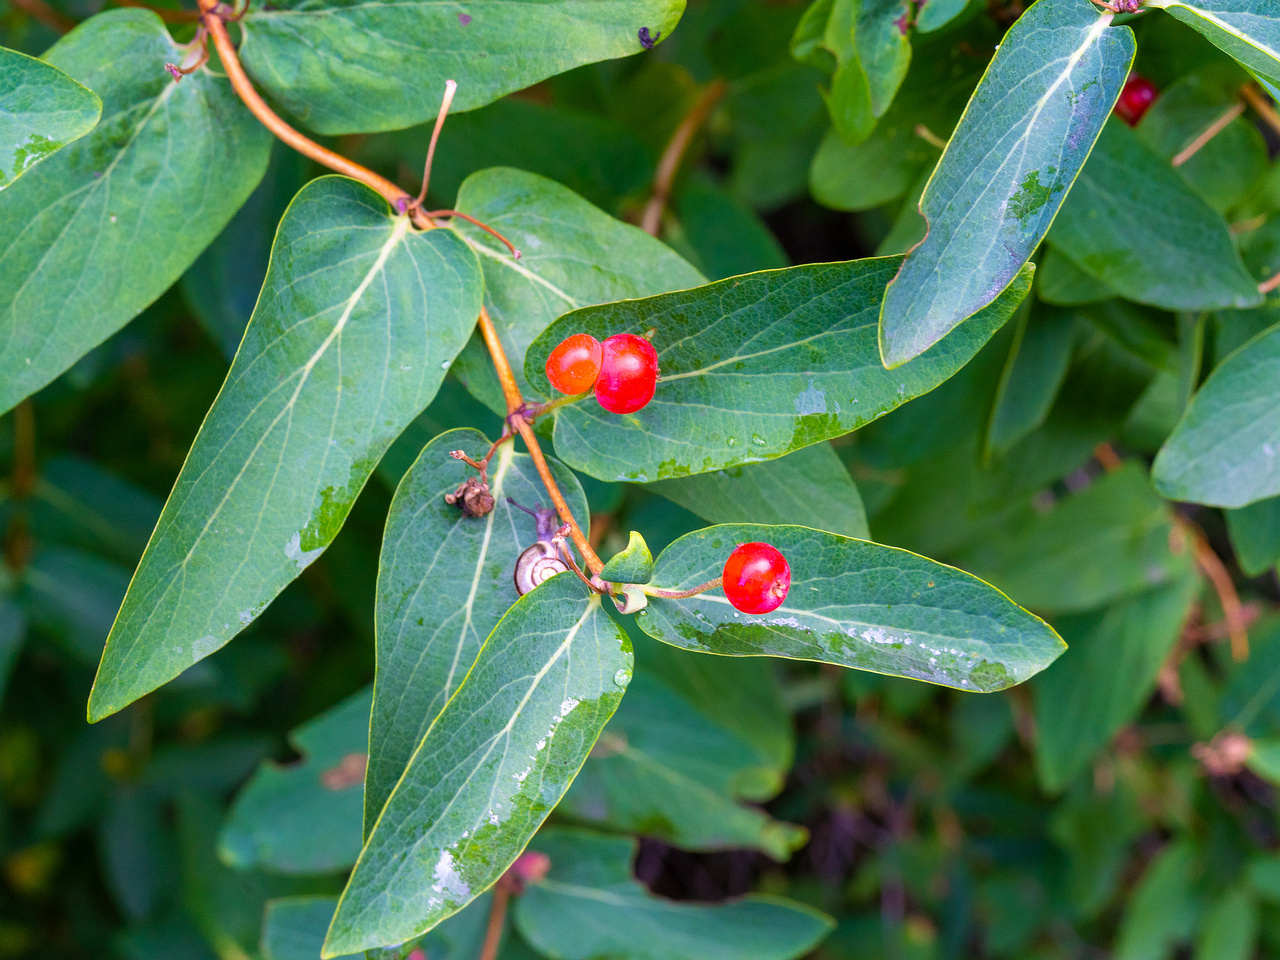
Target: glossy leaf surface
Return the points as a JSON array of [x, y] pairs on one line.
[[1224, 449], [95, 233], [752, 368], [572, 255], [444, 582], [589, 907], [356, 67], [491, 767], [810, 488], [1248, 30], [41, 110], [854, 604], [358, 319], [305, 817], [1006, 170], [1148, 236]]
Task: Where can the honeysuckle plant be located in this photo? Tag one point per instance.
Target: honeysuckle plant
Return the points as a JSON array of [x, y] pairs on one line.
[[1065, 329]]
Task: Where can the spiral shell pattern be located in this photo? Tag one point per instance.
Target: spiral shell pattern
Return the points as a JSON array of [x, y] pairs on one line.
[[538, 563]]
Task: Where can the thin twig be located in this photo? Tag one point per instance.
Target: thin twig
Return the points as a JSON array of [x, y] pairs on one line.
[[450, 88], [1261, 106], [1215, 128], [398, 199], [40, 11], [682, 594], [929, 137], [1216, 571], [497, 920], [1266, 286], [437, 214], [669, 165], [24, 449]]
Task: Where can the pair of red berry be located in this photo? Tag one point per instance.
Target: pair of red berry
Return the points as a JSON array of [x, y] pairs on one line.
[[623, 370], [1135, 99]]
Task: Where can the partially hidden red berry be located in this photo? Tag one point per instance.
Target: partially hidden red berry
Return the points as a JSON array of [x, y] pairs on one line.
[[756, 578], [1135, 99], [574, 365], [628, 373]]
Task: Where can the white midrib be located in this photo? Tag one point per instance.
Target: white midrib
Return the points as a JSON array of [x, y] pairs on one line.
[[516, 267]]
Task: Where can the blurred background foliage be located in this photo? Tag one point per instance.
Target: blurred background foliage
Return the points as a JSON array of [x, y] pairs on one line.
[[1121, 804]]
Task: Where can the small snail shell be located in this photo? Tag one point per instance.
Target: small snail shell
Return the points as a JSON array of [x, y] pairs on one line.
[[538, 563]]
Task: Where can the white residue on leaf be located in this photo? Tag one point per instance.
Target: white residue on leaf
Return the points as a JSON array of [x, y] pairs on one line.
[[813, 400], [785, 622], [568, 705], [303, 558], [542, 744], [874, 635], [204, 646], [448, 881]]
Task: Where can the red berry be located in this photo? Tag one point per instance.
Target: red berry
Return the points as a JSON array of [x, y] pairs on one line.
[[756, 578], [574, 365], [628, 373], [1136, 97]]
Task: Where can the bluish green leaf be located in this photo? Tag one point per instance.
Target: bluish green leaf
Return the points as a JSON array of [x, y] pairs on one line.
[[1105, 678], [1248, 30], [810, 487], [854, 604], [73, 595], [723, 235], [1032, 376], [753, 368], [573, 255], [935, 14], [1255, 535], [359, 318], [1106, 541], [305, 817], [880, 34], [1223, 451], [41, 110], [294, 927], [1061, 282], [1006, 170], [590, 907], [492, 766], [95, 233], [77, 502], [1150, 237], [357, 67], [444, 581]]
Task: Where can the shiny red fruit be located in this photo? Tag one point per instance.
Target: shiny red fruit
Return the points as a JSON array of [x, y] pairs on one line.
[[574, 365], [756, 578], [628, 373], [1135, 99]]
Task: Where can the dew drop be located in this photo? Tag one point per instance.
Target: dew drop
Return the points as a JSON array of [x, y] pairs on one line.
[[444, 364], [622, 678], [731, 441]]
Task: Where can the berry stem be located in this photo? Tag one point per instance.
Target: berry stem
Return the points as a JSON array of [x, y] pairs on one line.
[[1215, 128], [1262, 106], [682, 594]]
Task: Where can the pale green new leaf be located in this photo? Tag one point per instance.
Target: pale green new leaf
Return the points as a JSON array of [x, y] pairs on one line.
[[491, 768], [363, 65], [358, 319], [753, 367], [1248, 30], [1150, 238], [1224, 449], [95, 233], [1105, 677], [444, 582], [1007, 168], [589, 907], [854, 604], [810, 487], [41, 110], [572, 255], [304, 817]]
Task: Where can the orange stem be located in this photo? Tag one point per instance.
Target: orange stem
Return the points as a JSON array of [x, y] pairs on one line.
[[497, 920], [1262, 106], [1215, 128], [669, 165], [1216, 571]]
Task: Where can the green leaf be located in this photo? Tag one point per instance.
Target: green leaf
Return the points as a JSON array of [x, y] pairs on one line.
[[810, 487], [78, 503], [294, 927], [724, 236], [1230, 930], [444, 582], [13, 630], [854, 604], [1149, 237], [573, 254], [73, 595], [1161, 912], [358, 319], [1033, 374], [633, 564], [1255, 535], [1062, 283], [589, 907], [1223, 451], [492, 766], [1006, 170], [1106, 541], [753, 368], [363, 66], [41, 110], [94, 234], [935, 14], [880, 35], [1248, 30], [662, 768], [1264, 759], [305, 817], [1105, 678]]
